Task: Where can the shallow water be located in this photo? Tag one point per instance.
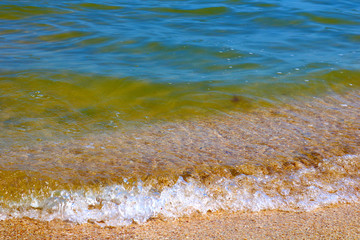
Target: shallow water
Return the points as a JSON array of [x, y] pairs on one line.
[[113, 113]]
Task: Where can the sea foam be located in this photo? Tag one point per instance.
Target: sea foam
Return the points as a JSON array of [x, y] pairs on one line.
[[116, 205]]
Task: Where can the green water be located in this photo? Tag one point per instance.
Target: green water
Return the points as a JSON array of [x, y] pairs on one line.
[[40, 106], [78, 67]]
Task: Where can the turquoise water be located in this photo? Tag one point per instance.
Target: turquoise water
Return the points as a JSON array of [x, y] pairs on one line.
[[180, 41], [81, 66], [81, 84]]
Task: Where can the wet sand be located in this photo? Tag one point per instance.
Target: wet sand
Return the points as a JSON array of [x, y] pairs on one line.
[[328, 127], [336, 222]]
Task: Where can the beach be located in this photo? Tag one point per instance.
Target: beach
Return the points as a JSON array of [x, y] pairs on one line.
[[330, 212], [300, 157], [335, 222], [174, 119]]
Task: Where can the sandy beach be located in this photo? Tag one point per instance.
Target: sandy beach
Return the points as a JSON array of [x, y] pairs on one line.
[[333, 134], [336, 222], [179, 120]]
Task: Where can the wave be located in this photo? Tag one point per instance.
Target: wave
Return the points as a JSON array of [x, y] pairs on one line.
[[116, 205]]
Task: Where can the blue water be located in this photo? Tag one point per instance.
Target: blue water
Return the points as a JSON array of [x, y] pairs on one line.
[[180, 41]]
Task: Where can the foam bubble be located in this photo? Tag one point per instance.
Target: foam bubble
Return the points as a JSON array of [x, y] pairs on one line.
[[117, 205]]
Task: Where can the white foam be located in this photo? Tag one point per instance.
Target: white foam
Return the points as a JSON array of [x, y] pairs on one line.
[[115, 205]]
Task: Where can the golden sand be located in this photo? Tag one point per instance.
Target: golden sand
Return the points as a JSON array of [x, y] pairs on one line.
[[336, 222], [315, 130]]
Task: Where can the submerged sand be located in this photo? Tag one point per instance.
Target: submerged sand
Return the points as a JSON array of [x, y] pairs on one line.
[[264, 141], [336, 222], [275, 141]]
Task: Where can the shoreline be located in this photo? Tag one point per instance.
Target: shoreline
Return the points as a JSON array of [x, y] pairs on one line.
[[335, 222], [300, 157]]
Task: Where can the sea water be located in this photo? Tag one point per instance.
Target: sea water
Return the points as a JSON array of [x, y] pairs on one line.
[[118, 112]]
